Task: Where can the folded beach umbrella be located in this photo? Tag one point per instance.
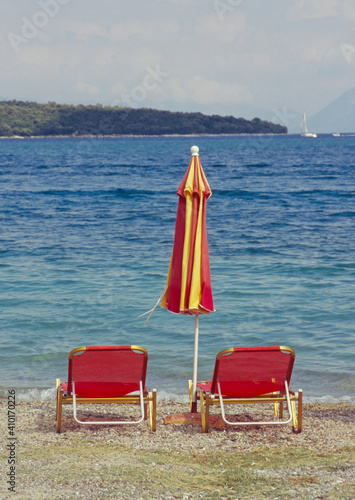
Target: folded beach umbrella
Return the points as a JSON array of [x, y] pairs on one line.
[[188, 288]]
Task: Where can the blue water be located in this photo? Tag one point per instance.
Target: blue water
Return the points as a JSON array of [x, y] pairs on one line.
[[86, 232]]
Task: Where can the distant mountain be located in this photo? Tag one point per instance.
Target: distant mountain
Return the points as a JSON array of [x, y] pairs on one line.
[[26, 119], [338, 116]]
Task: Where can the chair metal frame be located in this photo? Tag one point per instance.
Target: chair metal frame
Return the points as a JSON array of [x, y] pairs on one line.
[[287, 396], [145, 398]]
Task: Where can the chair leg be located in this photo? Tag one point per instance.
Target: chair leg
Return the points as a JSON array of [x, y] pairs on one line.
[[281, 410], [205, 411], [153, 410], [276, 406], [146, 407], [190, 393], [276, 409], [279, 407], [294, 416], [300, 396], [59, 403], [57, 383], [297, 417]]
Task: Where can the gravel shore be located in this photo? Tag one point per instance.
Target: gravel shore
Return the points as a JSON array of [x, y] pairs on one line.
[[179, 461]]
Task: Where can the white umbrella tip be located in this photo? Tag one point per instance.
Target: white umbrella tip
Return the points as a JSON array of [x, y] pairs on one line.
[[194, 151]]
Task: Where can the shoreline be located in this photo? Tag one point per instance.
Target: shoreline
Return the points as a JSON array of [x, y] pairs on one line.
[[47, 394], [128, 136], [115, 136], [179, 461]]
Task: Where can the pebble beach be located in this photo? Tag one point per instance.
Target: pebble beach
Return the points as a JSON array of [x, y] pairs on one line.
[[179, 461]]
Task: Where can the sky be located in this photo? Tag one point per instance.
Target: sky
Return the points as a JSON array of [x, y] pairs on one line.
[[272, 59]]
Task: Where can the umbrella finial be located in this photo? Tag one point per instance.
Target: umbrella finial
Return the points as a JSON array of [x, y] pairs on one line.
[[194, 151]]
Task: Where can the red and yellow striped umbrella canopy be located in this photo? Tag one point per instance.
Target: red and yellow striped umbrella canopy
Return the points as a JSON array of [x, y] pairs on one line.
[[188, 288]]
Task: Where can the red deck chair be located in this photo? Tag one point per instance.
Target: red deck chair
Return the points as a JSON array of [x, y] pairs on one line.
[[107, 374], [244, 375]]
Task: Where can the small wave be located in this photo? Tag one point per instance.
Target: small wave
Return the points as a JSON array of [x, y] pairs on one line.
[[343, 214], [28, 395], [329, 399], [171, 397], [257, 165], [41, 394]]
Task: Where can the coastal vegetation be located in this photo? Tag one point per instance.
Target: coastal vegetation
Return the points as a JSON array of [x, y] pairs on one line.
[[28, 119]]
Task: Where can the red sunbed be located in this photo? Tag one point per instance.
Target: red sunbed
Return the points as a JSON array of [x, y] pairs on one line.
[[244, 375], [107, 374]]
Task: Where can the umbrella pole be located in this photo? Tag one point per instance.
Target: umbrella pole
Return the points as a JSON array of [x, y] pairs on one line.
[[194, 375]]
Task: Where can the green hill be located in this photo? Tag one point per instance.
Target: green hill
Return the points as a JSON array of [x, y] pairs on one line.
[[32, 119]]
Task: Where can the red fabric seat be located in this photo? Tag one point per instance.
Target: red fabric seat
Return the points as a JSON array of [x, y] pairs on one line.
[[107, 374], [250, 371], [107, 371], [255, 375]]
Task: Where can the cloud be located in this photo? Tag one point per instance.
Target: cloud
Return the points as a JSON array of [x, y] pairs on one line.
[[205, 91], [86, 88], [84, 30], [214, 31], [143, 31], [313, 9], [265, 54]]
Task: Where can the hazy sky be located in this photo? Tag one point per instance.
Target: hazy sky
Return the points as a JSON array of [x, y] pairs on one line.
[[266, 58]]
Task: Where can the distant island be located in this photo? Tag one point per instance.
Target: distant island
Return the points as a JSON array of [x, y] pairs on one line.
[[31, 119]]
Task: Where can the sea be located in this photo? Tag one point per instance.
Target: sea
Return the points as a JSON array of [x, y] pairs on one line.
[[86, 233]]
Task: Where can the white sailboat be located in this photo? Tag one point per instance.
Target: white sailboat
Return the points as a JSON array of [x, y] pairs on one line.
[[304, 130]]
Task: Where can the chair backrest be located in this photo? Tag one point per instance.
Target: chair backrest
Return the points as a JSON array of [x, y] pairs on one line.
[[107, 371], [252, 371]]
